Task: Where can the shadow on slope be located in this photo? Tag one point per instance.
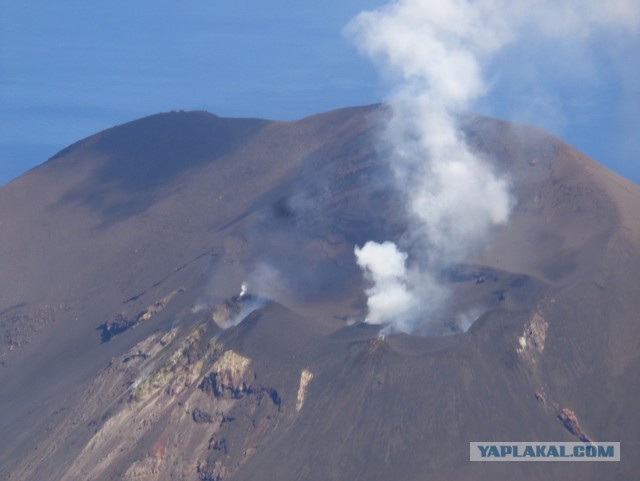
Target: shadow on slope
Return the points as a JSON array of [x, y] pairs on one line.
[[133, 161]]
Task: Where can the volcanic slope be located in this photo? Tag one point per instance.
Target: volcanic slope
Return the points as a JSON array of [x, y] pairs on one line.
[[123, 355]]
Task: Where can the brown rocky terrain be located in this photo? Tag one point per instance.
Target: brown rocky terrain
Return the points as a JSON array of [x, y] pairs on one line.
[[124, 357]]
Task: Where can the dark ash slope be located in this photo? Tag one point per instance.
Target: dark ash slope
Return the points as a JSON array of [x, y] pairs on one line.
[[148, 229]]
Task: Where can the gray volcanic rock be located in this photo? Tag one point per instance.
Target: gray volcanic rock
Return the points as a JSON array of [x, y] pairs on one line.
[[122, 259]]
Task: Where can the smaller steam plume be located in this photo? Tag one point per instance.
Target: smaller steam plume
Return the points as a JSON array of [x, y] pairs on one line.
[[243, 290], [234, 310]]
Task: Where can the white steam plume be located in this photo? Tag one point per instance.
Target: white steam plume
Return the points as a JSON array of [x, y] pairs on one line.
[[434, 52], [243, 290], [390, 294], [396, 294]]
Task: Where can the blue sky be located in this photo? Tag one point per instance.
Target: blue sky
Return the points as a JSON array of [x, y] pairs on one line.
[[71, 68]]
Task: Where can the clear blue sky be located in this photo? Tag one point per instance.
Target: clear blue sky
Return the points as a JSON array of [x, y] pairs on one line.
[[71, 68]]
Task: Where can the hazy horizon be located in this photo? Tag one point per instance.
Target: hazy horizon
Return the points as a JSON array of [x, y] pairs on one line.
[[71, 69]]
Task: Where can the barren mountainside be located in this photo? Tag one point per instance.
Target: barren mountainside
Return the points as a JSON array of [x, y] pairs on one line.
[[130, 348]]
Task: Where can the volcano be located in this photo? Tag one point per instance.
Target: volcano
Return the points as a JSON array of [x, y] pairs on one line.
[[123, 357]]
